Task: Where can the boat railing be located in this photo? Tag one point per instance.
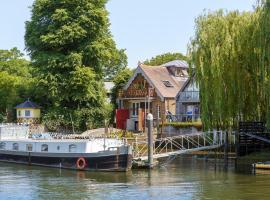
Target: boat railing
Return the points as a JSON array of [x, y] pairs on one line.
[[60, 136]]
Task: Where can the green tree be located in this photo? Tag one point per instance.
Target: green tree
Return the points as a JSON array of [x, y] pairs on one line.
[[164, 58], [231, 52], [15, 81], [12, 62], [72, 49]]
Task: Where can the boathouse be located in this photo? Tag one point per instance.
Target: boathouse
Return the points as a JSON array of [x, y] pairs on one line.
[[151, 89], [28, 113], [188, 101]]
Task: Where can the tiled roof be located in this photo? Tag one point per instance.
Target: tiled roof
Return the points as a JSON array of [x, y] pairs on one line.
[[176, 63], [27, 104], [157, 75]]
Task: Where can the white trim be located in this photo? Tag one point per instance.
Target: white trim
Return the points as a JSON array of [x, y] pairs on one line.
[[140, 71]]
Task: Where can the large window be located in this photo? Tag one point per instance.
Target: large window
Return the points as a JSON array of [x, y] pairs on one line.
[[15, 146], [72, 148], [27, 113], [2, 145], [144, 106], [19, 113], [159, 111], [44, 147], [135, 109]]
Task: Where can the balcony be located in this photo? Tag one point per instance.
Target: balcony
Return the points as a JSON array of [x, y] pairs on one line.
[[133, 93], [183, 118], [189, 96]]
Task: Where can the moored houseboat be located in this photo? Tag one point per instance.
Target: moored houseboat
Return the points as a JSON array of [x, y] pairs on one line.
[[103, 154]]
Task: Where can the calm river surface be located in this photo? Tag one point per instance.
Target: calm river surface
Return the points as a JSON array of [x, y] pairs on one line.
[[184, 178]]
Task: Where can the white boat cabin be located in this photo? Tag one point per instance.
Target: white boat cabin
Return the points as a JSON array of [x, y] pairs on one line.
[[61, 146], [16, 138]]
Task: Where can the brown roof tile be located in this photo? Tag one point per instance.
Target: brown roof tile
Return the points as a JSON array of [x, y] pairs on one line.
[[158, 74]]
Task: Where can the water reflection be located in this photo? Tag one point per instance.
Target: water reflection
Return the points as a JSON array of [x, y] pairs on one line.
[[185, 178]]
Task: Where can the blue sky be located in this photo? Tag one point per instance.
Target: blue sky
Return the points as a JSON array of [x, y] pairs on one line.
[[144, 28]]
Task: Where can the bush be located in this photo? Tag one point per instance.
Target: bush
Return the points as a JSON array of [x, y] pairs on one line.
[[83, 119], [2, 118], [123, 133]]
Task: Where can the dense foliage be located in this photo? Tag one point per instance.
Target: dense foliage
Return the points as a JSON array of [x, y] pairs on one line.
[[231, 52], [72, 51], [119, 81], [15, 82], [164, 58]]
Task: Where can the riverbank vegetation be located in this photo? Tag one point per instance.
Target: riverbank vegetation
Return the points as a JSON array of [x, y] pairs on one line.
[[231, 55]]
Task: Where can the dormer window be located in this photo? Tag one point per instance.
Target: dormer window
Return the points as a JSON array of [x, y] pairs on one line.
[[167, 83], [179, 72]]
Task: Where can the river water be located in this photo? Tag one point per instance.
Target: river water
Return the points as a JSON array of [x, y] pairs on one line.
[[183, 178]]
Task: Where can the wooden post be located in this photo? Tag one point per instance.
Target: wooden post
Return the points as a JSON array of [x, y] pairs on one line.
[[226, 145], [150, 139]]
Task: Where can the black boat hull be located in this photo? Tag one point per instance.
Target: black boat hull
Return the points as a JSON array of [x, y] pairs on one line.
[[93, 162]]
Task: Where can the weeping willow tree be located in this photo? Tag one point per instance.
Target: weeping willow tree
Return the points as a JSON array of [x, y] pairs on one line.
[[231, 55]]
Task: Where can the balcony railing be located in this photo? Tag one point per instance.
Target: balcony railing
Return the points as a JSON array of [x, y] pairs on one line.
[[190, 96], [183, 118], [130, 93]]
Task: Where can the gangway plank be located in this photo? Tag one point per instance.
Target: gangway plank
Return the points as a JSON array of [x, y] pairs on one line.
[[179, 152], [182, 144]]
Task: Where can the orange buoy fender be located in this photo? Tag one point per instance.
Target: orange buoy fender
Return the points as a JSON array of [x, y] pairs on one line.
[[81, 163]]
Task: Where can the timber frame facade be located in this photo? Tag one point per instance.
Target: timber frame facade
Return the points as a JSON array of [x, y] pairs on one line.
[[152, 89]]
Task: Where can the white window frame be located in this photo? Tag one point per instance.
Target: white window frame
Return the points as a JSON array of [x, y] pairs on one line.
[[43, 148], [72, 148], [2, 145], [15, 146], [29, 147], [135, 109], [26, 111]]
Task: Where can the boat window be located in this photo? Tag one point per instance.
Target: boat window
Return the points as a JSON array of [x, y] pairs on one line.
[[15, 146], [2, 145], [29, 147], [58, 148], [72, 148], [44, 147]]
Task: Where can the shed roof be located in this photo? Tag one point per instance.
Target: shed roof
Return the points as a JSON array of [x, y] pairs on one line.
[[176, 63], [27, 104]]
